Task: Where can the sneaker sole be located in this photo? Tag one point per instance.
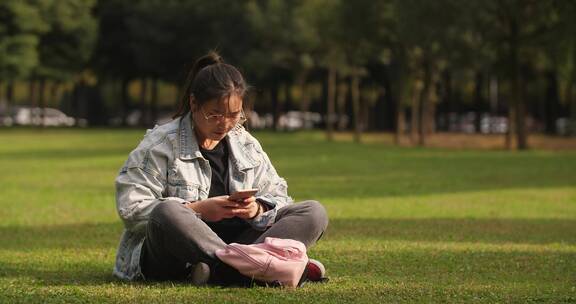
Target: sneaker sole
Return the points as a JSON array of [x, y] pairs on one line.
[[201, 274]]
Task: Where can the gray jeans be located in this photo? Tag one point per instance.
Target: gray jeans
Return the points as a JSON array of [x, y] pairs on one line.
[[176, 238]]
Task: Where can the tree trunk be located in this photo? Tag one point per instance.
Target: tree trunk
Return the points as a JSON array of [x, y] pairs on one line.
[[572, 118], [447, 97], [355, 90], [415, 112], [365, 108], [73, 104], [551, 102], [511, 127], [154, 102], [125, 101], [397, 78], [494, 93], [432, 101], [304, 101], [53, 93], [32, 92], [478, 100], [3, 106], [288, 102], [522, 132], [144, 110], [425, 107], [10, 93], [398, 117], [341, 98], [42, 100], [400, 124], [570, 100], [275, 106], [331, 88], [301, 83], [517, 100]]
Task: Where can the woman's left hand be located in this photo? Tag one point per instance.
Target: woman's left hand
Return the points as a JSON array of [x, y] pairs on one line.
[[249, 208]]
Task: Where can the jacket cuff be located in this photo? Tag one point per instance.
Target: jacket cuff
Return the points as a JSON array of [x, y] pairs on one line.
[[268, 203], [266, 219]]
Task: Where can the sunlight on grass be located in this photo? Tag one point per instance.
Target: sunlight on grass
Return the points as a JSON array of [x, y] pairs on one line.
[[406, 225], [509, 203]]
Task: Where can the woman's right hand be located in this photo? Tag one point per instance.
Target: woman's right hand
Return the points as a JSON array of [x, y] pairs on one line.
[[215, 208]]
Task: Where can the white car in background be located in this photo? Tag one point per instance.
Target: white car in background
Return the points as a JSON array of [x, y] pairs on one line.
[[291, 120], [52, 117]]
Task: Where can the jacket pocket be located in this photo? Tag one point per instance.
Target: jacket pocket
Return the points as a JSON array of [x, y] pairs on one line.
[[189, 192]]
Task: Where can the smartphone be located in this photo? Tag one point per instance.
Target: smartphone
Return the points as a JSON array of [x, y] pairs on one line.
[[242, 194]]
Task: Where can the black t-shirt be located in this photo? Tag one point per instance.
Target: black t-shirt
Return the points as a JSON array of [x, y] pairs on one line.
[[226, 229], [218, 159]]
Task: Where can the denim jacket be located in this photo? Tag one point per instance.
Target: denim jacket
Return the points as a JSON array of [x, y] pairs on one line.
[[167, 167]]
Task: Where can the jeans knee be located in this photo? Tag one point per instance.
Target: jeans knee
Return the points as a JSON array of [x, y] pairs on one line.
[[164, 212], [317, 213]]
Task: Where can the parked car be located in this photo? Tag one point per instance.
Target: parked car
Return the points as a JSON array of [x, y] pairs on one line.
[[566, 126], [293, 120], [26, 116], [493, 124], [473, 122], [6, 120], [136, 118], [5, 117], [132, 119]]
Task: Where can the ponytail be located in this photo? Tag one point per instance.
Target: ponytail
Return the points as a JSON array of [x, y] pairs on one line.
[[209, 59]]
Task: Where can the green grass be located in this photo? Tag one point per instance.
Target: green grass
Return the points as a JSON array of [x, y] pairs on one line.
[[407, 224]]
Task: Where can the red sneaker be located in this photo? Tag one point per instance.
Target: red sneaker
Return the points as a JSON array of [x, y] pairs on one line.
[[315, 271]]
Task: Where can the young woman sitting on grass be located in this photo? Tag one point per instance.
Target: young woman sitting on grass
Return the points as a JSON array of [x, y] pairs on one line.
[[173, 191]]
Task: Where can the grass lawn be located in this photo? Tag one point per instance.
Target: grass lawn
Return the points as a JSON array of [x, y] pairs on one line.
[[407, 224]]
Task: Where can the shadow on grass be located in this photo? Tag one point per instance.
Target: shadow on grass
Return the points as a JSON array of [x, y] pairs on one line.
[[56, 274], [78, 254], [521, 231], [64, 154], [64, 242], [342, 170], [76, 236], [87, 249]]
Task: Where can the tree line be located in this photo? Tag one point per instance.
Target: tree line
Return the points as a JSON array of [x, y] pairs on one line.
[[389, 64]]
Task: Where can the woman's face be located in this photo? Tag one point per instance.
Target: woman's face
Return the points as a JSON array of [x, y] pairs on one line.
[[215, 118]]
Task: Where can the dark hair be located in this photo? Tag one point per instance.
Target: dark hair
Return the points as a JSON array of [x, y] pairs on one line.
[[210, 79]]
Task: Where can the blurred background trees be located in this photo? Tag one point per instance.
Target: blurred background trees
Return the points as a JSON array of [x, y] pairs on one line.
[[412, 67]]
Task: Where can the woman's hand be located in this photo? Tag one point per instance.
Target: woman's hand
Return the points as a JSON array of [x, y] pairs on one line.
[[215, 208], [248, 208]]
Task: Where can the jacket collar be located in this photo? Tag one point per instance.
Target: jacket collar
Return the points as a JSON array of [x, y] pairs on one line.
[[189, 149], [241, 151], [187, 139]]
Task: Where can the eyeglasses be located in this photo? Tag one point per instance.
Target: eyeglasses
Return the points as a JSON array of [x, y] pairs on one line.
[[213, 118]]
